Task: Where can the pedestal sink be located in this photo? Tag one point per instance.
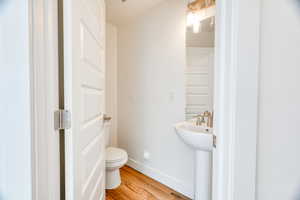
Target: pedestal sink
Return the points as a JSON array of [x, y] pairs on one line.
[[200, 139]]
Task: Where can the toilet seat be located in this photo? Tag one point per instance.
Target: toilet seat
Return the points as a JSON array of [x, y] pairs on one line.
[[115, 155]]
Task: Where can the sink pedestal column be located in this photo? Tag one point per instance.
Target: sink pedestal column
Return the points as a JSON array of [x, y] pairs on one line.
[[203, 175]]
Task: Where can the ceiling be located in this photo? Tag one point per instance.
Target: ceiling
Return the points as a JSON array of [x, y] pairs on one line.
[[119, 12]]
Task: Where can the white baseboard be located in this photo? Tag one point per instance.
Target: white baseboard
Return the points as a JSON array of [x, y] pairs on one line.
[[175, 184]]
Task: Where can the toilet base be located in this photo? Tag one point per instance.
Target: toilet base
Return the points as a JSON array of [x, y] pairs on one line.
[[113, 179]]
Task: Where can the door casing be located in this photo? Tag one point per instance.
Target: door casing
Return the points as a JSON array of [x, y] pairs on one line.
[[44, 99], [236, 99]]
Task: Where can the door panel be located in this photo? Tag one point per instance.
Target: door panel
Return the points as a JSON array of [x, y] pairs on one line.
[[84, 25]]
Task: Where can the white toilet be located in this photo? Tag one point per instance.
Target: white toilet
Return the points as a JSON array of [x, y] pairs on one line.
[[115, 159]]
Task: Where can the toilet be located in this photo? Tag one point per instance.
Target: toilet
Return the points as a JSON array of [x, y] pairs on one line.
[[115, 159]]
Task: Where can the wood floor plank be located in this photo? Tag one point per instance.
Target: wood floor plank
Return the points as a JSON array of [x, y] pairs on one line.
[[137, 186], [156, 186], [109, 197], [147, 180], [143, 185]]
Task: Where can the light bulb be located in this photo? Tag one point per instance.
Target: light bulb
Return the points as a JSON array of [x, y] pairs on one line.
[[190, 19]]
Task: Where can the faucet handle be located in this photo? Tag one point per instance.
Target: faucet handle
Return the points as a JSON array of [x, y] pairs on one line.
[[200, 119], [210, 118]]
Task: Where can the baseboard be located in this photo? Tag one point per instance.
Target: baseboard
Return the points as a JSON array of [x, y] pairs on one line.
[[175, 184]]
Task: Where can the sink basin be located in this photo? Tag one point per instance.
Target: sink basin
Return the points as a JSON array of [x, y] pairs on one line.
[[199, 138]]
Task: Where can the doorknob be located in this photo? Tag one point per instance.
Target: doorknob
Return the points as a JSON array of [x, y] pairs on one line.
[[106, 118]]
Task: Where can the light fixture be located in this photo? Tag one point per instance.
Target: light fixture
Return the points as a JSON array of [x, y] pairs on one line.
[[198, 11], [190, 19]]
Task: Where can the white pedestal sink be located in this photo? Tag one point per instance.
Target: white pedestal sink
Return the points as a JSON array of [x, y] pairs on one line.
[[201, 140]]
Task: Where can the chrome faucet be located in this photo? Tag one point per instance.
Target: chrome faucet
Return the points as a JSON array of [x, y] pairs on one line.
[[200, 120]]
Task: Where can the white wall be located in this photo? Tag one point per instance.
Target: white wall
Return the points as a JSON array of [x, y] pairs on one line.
[[15, 148], [111, 80], [151, 94], [278, 166]]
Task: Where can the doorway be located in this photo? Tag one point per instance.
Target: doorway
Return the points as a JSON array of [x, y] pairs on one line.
[[225, 80]]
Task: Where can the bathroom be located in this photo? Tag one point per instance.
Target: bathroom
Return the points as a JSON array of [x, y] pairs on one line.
[[159, 73], [54, 116]]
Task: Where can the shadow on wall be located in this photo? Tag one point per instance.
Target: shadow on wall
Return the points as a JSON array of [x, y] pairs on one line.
[[2, 5], [297, 195], [297, 3]]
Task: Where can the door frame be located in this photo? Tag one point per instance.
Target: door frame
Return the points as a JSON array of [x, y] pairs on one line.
[[236, 99], [43, 46]]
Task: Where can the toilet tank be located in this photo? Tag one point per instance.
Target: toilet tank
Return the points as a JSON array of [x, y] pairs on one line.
[[107, 134]]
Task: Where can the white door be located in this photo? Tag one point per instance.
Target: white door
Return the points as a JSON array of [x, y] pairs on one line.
[[84, 40]]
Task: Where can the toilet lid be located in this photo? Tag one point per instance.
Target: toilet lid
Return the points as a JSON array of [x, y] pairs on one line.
[[115, 154]]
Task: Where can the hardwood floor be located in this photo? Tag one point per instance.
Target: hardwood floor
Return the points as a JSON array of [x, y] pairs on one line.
[[137, 186]]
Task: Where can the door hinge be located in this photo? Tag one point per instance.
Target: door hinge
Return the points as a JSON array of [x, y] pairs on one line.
[[215, 141], [62, 120]]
